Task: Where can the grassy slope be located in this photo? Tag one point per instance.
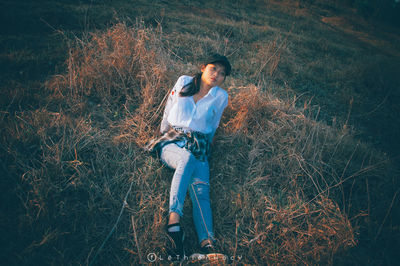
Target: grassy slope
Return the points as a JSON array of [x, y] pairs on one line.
[[319, 51], [331, 54]]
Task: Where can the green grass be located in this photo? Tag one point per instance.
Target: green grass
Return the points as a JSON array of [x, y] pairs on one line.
[[313, 123]]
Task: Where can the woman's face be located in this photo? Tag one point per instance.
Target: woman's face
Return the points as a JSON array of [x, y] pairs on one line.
[[213, 75]]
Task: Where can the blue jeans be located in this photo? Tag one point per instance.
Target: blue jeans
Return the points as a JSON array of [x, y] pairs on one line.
[[194, 175]]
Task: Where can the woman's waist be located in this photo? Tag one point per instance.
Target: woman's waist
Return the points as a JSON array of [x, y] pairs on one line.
[[191, 124], [188, 130]]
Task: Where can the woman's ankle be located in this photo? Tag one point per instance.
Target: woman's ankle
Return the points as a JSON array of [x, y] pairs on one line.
[[206, 242], [174, 218]]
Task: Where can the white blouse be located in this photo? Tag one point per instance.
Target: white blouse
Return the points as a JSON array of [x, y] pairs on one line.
[[203, 116]]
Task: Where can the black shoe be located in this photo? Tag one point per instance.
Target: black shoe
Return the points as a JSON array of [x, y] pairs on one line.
[[175, 249], [207, 249], [208, 252]]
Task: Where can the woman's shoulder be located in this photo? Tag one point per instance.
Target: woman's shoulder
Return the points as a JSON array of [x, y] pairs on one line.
[[184, 79], [180, 83]]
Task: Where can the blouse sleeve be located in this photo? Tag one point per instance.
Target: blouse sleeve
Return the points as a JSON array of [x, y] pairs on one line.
[[172, 97], [218, 115]]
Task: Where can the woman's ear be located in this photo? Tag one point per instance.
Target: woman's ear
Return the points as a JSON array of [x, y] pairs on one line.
[[203, 67]]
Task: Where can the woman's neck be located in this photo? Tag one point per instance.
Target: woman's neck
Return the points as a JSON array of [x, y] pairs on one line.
[[204, 88]]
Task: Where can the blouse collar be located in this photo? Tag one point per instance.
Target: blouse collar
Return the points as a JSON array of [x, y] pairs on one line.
[[213, 91]]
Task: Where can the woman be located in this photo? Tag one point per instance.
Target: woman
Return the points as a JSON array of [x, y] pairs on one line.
[[191, 117]]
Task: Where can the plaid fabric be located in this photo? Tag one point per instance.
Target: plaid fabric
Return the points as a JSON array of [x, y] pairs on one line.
[[195, 142]]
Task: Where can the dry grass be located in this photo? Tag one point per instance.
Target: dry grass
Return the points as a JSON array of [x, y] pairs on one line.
[[284, 186]]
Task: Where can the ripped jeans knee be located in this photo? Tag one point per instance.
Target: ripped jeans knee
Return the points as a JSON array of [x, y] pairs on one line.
[[200, 190]]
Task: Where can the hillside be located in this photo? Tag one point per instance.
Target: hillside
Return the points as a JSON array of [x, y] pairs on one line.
[[304, 166]]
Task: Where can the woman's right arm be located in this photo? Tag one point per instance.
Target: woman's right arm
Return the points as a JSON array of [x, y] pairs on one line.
[[172, 97]]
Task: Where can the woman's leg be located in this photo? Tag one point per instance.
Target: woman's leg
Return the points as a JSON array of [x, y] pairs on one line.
[[199, 190], [184, 164]]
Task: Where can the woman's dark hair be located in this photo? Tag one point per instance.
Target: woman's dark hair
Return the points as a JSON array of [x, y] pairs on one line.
[[193, 87]]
